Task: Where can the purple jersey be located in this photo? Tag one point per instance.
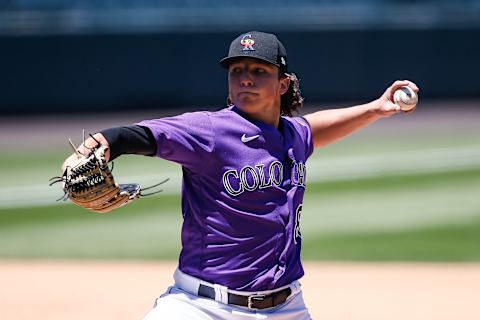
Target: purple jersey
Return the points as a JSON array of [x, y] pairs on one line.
[[242, 194]]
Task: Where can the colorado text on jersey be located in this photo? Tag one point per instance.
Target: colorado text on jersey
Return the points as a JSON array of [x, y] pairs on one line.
[[251, 178]]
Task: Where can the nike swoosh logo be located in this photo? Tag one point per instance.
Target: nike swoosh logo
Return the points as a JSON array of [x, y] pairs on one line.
[[246, 139]]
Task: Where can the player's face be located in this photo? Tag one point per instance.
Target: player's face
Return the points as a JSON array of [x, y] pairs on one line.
[[255, 85]]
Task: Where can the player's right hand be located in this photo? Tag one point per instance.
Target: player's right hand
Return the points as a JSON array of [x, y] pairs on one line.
[[385, 106]]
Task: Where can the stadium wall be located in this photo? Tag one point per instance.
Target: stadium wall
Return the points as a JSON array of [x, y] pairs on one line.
[[131, 71]]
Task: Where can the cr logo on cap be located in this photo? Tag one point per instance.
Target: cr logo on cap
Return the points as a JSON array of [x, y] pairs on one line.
[[247, 43]]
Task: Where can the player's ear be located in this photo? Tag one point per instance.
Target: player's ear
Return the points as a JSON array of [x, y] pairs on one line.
[[229, 101], [284, 84]]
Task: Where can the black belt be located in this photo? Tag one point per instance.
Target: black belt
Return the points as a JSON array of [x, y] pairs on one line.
[[254, 301]]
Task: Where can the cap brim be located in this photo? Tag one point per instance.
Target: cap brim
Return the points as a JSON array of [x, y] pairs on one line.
[[225, 62]]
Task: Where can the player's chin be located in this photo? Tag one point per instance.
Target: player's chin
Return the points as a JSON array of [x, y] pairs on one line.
[[247, 99]]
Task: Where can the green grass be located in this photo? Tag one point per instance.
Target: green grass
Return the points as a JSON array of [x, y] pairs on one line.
[[145, 229], [453, 243], [431, 217], [391, 203], [421, 181]]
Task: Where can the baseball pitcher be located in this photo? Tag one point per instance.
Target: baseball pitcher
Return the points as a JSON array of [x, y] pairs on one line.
[[244, 178]]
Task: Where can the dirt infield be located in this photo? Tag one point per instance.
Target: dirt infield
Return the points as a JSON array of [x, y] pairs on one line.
[[333, 291]]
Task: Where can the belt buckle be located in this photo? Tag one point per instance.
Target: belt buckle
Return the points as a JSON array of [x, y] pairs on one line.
[[254, 297]]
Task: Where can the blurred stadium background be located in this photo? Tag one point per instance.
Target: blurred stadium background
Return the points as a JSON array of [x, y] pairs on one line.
[[405, 189], [60, 55]]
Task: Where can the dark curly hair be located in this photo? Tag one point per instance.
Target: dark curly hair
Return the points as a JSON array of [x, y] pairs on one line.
[[292, 100]]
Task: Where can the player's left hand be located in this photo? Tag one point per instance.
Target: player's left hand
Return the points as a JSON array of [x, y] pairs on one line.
[[384, 106]]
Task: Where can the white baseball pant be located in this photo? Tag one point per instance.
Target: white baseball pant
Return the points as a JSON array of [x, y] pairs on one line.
[[178, 304]]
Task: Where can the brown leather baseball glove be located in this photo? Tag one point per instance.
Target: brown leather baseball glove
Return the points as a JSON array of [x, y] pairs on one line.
[[88, 182]]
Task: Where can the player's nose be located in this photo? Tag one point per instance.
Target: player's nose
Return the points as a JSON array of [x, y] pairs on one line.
[[246, 81]]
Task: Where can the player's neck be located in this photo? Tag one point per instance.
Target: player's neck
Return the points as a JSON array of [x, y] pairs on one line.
[[268, 114]]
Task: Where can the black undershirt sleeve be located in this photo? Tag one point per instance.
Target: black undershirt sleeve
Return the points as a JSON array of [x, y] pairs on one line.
[[133, 139]]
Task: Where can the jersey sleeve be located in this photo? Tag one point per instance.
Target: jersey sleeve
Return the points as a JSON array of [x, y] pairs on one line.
[[305, 132], [186, 139], [129, 140]]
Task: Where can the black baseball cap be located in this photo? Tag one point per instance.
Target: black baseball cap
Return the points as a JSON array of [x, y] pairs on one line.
[[258, 45]]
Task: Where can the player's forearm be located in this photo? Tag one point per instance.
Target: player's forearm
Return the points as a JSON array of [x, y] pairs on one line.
[[329, 126], [119, 140]]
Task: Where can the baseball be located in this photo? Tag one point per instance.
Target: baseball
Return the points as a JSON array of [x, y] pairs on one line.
[[406, 98]]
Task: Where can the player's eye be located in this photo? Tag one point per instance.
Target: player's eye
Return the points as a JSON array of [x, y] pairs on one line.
[[236, 70], [260, 70]]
